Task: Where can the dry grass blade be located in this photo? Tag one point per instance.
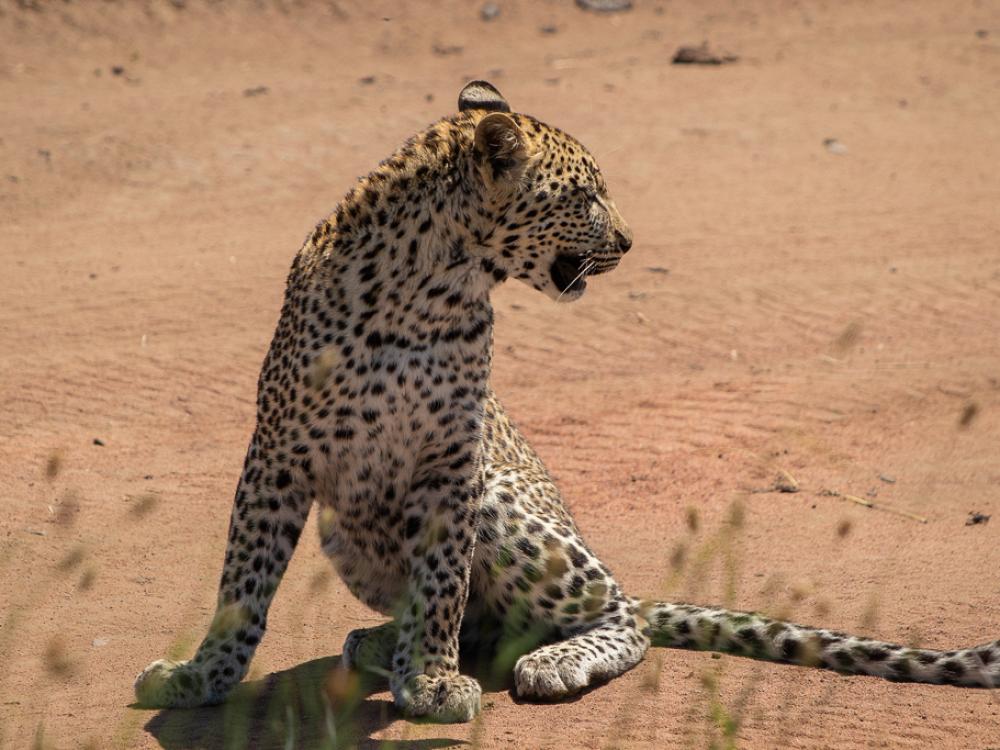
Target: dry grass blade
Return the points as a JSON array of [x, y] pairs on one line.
[[904, 513], [56, 658], [87, 578], [968, 415], [53, 465], [875, 506], [72, 559], [848, 338], [67, 509], [144, 505], [856, 499], [785, 482]]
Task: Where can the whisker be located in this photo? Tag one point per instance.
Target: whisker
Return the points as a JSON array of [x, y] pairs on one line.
[[587, 268]]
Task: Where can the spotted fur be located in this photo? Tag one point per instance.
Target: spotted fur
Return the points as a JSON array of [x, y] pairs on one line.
[[374, 404]]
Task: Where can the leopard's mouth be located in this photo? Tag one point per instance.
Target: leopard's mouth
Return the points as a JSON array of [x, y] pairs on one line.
[[568, 272]]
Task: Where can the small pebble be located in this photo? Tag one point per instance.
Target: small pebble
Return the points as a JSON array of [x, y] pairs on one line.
[[605, 6], [975, 519], [447, 49], [702, 55], [887, 478], [98, 642], [98, 441], [489, 11], [834, 146]]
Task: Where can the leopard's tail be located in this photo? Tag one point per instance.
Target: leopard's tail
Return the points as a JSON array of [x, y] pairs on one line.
[[757, 636]]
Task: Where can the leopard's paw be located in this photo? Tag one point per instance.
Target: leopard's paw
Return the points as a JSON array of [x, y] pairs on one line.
[[171, 684], [547, 675], [443, 698], [370, 649]]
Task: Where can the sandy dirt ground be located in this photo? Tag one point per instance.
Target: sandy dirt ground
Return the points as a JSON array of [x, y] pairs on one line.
[[814, 288]]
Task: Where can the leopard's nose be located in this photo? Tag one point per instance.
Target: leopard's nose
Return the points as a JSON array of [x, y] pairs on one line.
[[624, 240]]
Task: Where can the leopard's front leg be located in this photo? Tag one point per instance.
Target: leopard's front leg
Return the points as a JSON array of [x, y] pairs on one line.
[[441, 521], [269, 511]]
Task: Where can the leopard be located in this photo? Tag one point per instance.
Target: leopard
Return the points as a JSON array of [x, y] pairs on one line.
[[374, 404]]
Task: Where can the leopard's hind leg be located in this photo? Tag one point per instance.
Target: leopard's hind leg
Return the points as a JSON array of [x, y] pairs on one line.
[[537, 577], [557, 593], [613, 645]]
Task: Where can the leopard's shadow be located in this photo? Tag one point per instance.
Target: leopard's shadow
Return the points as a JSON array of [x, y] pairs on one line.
[[305, 707]]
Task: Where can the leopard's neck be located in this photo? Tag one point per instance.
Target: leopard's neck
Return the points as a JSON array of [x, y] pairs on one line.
[[396, 264]]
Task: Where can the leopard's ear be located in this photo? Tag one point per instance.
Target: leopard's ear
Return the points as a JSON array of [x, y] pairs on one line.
[[482, 95], [501, 148]]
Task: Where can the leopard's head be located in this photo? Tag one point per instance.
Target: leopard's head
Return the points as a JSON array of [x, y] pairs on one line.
[[554, 223]]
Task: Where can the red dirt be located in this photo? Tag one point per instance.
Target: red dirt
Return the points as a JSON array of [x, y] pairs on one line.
[[830, 315]]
